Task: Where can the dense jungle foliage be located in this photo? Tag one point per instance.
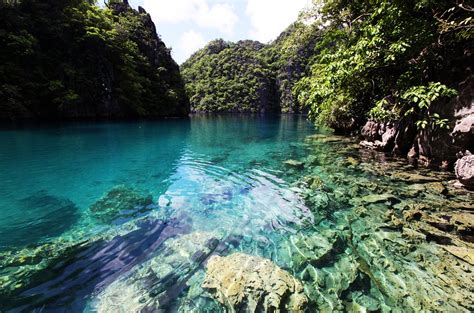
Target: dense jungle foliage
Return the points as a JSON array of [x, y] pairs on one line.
[[71, 58], [249, 76], [387, 60], [231, 77]]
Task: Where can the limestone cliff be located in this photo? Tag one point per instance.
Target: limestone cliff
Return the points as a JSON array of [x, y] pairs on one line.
[[72, 59], [437, 147]]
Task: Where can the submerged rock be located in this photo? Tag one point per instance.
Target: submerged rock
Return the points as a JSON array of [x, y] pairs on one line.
[[99, 259], [294, 163], [43, 216], [375, 198], [412, 177], [315, 249], [409, 243], [464, 253], [121, 201], [253, 284], [152, 285], [436, 188]]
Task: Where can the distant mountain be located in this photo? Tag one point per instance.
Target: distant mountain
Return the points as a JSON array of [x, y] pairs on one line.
[[249, 76]]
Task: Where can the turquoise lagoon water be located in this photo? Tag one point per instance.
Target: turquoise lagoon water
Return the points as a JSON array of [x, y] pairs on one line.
[[218, 184], [221, 173]]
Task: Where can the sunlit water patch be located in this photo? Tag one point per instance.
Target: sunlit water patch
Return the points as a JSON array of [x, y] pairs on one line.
[[224, 212]]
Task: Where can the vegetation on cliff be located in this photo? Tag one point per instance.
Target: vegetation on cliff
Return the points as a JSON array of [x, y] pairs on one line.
[[72, 59], [231, 77], [249, 76]]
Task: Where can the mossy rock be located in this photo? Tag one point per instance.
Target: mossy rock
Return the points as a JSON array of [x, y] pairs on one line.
[[120, 202]]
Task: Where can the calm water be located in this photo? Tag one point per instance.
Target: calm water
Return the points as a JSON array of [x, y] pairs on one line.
[[120, 217]]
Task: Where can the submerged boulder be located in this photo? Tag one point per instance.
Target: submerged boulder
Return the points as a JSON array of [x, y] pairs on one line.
[[37, 217], [121, 201], [294, 164], [248, 283]]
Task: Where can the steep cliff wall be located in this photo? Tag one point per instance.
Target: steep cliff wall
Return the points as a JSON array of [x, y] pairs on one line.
[[72, 59]]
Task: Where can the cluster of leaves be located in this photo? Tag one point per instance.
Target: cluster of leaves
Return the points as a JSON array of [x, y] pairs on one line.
[[248, 76], [70, 58], [384, 60]]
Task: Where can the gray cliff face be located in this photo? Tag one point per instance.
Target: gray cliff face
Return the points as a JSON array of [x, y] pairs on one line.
[[158, 56], [291, 66]]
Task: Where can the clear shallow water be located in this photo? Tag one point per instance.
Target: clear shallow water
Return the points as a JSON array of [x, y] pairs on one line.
[[217, 185]]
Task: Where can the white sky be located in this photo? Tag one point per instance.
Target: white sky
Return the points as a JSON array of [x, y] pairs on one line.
[[187, 25]]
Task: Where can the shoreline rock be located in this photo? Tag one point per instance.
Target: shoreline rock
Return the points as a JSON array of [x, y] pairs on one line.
[[464, 170]]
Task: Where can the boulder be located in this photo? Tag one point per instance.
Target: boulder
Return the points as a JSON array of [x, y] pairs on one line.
[[464, 170], [378, 136], [246, 283], [463, 131], [370, 131], [464, 126]]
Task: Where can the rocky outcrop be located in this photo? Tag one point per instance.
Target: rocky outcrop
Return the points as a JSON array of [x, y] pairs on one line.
[[464, 170], [245, 283], [293, 49], [432, 147]]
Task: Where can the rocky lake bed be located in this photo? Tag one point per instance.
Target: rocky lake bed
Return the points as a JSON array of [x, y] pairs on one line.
[[368, 233]]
